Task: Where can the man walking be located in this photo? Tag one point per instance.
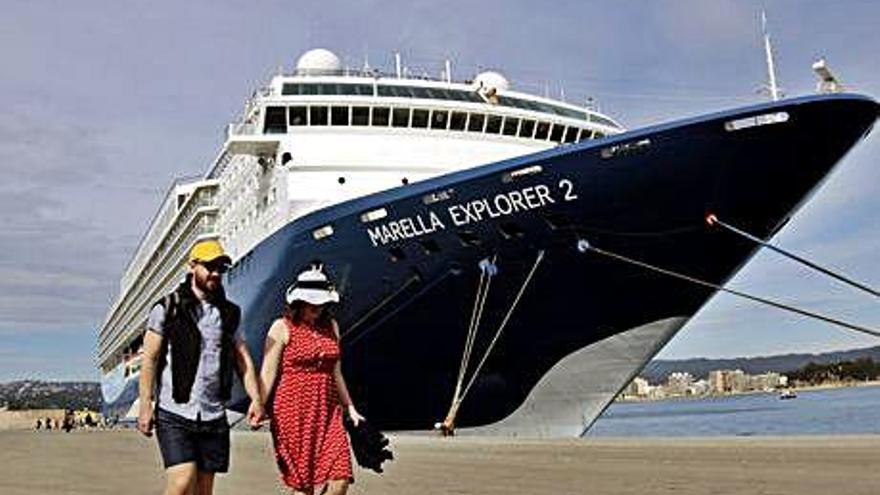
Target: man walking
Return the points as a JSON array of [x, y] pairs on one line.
[[191, 346]]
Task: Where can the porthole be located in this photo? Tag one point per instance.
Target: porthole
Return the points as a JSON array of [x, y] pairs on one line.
[[396, 254], [511, 230], [429, 246], [469, 238]]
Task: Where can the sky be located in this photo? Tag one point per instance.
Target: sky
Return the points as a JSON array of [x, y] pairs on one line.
[[103, 104]]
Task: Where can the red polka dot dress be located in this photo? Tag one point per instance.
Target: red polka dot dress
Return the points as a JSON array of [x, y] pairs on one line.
[[311, 445]]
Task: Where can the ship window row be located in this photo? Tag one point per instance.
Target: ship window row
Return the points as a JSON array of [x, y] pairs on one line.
[[279, 118], [347, 89]]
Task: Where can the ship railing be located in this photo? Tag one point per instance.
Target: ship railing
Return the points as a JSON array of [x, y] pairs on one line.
[[147, 281], [161, 282], [199, 205], [408, 73], [201, 197], [242, 130]]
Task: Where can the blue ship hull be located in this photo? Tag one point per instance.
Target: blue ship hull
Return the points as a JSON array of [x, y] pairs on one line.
[[408, 281]]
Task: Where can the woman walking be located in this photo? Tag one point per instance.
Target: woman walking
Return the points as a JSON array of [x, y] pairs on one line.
[[311, 445]]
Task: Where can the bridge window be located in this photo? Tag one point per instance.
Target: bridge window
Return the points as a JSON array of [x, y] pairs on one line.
[[318, 115], [339, 116], [419, 118], [298, 116], [419, 92], [493, 124], [457, 121], [360, 115], [381, 116], [400, 117], [542, 131], [585, 134], [476, 123], [510, 126], [557, 132], [398, 91], [343, 89], [526, 128], [276, 120], [439, 119], [571, 134]]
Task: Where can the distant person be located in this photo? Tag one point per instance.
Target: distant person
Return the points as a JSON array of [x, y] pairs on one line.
[[191, 347], [39, 425], [311, 446], [48, 423], [67, 423]]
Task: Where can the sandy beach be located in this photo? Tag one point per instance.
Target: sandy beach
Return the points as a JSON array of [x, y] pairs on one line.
[[125, 462]]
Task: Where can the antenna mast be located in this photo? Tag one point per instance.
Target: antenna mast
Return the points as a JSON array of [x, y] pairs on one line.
[[771, 70]]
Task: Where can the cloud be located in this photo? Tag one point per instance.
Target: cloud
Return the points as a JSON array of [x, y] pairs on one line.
[[100, 111]]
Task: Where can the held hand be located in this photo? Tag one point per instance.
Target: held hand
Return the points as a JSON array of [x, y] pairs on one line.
[[354, 415], [145, 419], [256, 415]]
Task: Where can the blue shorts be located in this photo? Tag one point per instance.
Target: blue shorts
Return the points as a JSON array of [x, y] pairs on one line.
[[183, 440]]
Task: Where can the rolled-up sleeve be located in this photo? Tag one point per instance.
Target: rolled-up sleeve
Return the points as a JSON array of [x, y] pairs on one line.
[[156, 320]]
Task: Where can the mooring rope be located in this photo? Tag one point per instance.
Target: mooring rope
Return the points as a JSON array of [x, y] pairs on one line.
[[381, 304], [713, 220], [487, 272], [519, 295], [585, 246], [447, 426]]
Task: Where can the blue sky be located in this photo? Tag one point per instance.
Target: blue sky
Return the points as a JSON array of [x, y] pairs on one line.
[[102, 104]]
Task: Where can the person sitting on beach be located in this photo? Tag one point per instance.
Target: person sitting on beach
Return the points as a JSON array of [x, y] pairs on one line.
[[311, 445], [191, 345]]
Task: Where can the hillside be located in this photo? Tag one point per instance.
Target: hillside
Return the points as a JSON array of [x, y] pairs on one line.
[[35, 394], [657, 371]]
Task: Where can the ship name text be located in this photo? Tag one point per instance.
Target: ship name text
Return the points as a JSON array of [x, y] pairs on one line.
[[470, 212]]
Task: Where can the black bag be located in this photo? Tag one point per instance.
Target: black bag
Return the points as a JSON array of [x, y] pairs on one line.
[[370, 446]]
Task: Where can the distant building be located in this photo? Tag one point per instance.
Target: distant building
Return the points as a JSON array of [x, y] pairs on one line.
[[639, 387], [738, 381], [716, 382], [679, 382], [699, 387]]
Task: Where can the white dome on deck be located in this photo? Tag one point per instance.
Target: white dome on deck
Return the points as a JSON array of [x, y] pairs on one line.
[[492, 79], [318, 61]]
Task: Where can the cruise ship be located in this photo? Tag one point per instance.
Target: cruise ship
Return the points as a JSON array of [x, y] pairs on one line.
[[457, 219]]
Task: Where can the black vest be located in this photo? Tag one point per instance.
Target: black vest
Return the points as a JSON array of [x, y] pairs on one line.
[[184, 340]]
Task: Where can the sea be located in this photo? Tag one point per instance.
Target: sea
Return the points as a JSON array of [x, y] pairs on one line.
[[851, 410]]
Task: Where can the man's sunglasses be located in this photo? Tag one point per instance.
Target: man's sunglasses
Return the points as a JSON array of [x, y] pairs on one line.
[[215, 266]]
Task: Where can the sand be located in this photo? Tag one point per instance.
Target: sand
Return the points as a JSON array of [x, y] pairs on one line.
[[125, 462]]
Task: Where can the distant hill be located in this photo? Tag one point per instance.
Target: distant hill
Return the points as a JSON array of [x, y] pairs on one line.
[[657, 371], [35, 394]]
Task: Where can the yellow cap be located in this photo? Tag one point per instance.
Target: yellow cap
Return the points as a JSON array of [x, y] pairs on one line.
[[207, 251]]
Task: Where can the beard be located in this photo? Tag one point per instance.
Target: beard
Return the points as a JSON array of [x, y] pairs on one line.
[[209, 284]]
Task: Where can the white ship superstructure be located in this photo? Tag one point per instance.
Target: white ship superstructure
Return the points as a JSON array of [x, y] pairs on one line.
[[318, 136]]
